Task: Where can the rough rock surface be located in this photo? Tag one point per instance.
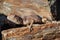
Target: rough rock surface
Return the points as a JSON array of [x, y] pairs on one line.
[[40, 7], [50, 31]]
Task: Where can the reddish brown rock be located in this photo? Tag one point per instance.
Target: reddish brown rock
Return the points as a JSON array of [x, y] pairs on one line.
[[38, 33], [41, 7]]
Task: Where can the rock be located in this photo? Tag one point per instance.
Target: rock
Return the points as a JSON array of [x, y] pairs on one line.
[[40, 7], [47, 33]]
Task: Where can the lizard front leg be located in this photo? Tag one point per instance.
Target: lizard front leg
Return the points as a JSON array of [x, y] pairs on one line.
[[30, 26]]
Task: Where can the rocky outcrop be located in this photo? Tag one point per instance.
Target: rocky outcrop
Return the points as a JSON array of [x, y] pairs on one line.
[[50, 31], [40, 7]]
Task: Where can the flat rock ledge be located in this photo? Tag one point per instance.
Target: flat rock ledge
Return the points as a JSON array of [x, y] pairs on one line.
[[49, 31]]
